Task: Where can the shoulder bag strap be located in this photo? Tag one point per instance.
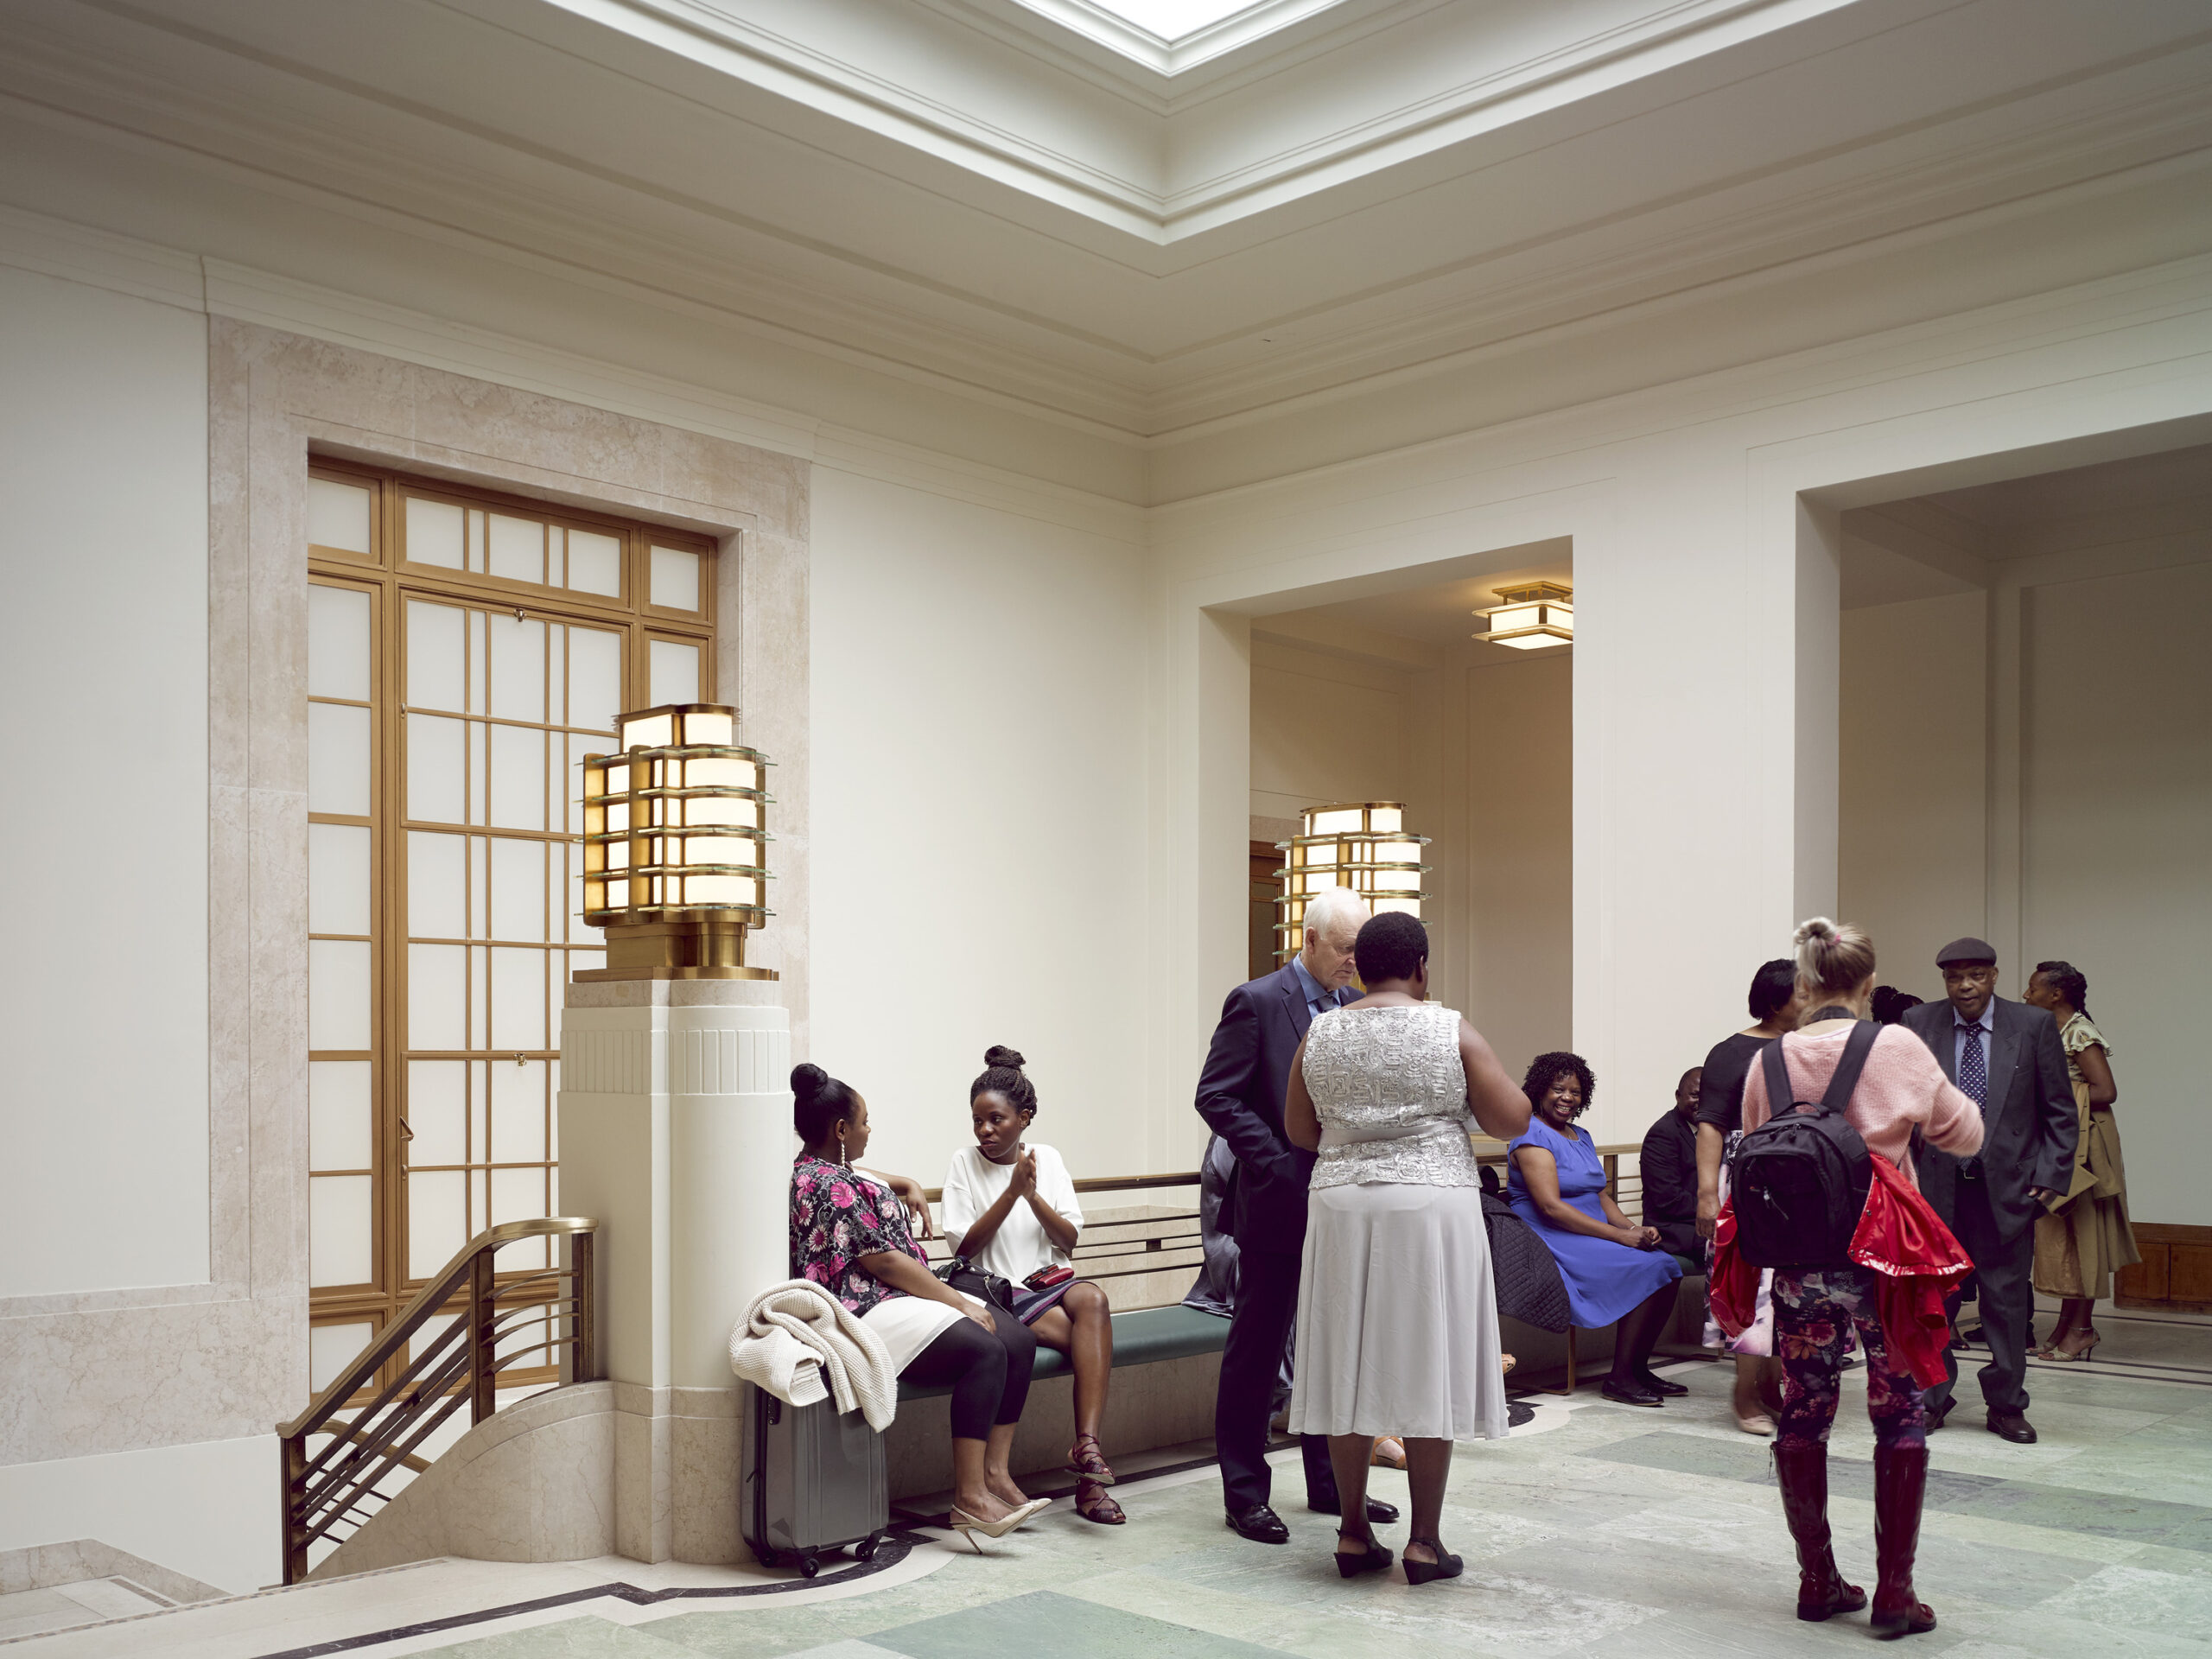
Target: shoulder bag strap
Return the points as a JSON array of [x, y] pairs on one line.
[[1856, 1048], [1779, 1099]]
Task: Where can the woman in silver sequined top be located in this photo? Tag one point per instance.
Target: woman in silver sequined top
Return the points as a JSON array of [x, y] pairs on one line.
[[1397, 1314]]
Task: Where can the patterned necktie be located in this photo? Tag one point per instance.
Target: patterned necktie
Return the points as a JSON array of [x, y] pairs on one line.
[[1973, 1069]]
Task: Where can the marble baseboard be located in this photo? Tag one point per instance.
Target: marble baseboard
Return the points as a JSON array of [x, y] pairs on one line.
[[45, 1566]]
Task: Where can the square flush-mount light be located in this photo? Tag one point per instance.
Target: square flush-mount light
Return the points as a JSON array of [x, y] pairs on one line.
[[1533, 616]]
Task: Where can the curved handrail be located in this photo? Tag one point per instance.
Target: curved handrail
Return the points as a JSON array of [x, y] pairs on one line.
[[436, 1291]]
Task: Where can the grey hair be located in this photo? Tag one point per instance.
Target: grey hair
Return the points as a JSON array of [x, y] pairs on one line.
[[1333, 904]]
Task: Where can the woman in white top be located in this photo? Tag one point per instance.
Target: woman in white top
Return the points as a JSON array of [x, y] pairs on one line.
[[1011, 1210], [1397, 1314]]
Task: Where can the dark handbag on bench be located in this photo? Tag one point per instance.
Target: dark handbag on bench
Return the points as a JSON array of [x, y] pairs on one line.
[[970, 1279]]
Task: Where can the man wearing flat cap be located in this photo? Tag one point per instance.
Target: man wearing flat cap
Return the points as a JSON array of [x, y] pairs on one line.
[[2006, 1056]]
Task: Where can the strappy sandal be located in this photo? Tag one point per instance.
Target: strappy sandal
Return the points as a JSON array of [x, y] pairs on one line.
[[1084, 1458], [1094, 1503]]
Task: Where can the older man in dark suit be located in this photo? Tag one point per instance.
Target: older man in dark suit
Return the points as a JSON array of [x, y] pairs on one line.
[[2006, 1056], [1241, 1095]]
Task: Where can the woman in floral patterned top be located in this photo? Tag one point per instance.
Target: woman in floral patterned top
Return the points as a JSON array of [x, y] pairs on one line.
[[850, 1233]]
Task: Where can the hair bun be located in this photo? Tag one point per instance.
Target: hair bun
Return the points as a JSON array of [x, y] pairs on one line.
[[1819, 927], [999, 1054], [807, 1080]]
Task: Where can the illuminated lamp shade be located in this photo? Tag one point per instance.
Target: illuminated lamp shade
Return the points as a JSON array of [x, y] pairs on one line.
[[1535, 616], [1363, 847], [676, 846]]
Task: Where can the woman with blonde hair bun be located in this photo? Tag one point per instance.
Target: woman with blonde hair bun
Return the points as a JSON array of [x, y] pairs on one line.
[[1898, 1088]]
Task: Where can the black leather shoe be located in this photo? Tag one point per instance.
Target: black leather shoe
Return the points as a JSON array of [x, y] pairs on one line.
[[2011, 1425], [1259, 1523], [1658, 1384], [1938, 1413], [1379, 1513], [1629, 1393]]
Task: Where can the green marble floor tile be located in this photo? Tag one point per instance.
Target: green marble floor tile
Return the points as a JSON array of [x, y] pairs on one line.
[[2134, 1597], [2111, 1516], [1045, 1625], [572, 1638], [847, 1649], [2041, 1634], [1345, 1630], [1690, 1454]]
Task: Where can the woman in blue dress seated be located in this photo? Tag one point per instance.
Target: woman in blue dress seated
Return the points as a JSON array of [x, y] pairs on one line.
[[1613, 1270]]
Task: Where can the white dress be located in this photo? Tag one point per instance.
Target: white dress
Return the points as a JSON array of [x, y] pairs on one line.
[[1397, 1314], [1020, 1248]]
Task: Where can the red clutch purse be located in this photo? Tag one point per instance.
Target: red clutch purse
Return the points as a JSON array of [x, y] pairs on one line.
[[1045, 1278]]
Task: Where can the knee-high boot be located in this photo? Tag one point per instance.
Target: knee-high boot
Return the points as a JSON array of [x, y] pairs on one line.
[[1802, 1472], [1900, 1484]]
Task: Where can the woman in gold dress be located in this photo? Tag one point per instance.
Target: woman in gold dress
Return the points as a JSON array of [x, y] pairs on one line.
[[2085, 1238]]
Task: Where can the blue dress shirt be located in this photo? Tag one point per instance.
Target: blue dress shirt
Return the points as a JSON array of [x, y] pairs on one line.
[[1317, 1000]]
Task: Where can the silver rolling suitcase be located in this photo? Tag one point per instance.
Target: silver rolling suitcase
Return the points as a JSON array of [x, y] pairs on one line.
[[810, 1481]]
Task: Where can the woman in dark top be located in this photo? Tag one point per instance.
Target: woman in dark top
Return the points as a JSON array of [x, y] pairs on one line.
[[1774, 1006]]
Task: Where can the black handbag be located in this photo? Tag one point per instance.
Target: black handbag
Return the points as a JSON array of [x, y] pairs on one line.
[[970, 1279]]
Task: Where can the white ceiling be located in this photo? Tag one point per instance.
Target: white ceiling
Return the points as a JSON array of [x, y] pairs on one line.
[[1153, 243]]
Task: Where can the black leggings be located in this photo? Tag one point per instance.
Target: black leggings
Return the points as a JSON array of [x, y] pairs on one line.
[[989, 1371]]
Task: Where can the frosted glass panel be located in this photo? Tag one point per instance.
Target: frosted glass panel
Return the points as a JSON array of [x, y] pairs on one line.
[[436, 898], [675, 579], [331, 1348], [518, 548], [338, 760], [338, 643], [516, 1195], [338, 994], [338, 515], [594, 678], [436, 779], [517, 668], [518, 889], [437, 1110], [337, 1230], [436, 997], [518, 999], [338, 1114], [437, 1221], [518, 778], [433, 533], [595, 564], [434, 656], [338, 879], [518, 1112], [674, 673]]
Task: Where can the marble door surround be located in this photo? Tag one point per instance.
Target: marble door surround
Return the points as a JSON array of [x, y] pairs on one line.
[[108, 1371]]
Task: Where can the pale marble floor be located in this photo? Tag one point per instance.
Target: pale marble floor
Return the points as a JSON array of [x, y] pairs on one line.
[[1596, 1530]]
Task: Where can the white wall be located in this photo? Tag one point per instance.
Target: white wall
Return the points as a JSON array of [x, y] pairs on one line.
[[1914, 819], [103, 669], [2117, 845], [208, 1510], [980, 811], [1327, 727]]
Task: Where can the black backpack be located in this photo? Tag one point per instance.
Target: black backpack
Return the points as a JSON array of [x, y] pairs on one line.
[[1799, 1180]]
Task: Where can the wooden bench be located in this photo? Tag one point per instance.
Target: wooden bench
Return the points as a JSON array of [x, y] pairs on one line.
[[1142, 1337]]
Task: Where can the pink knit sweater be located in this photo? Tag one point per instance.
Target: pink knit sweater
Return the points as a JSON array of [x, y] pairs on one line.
[[1903, 1089]]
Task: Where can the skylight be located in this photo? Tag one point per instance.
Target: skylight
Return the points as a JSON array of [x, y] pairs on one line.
[[1171, 20]]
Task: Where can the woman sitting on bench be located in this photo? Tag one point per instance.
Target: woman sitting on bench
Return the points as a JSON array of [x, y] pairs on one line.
[[1011, 1210], [849, 1235]]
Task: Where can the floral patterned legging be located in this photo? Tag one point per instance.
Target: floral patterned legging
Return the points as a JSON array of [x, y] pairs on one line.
[[1814, 1313]]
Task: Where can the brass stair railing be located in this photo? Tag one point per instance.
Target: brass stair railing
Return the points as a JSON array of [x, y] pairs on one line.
[[337, 1486]]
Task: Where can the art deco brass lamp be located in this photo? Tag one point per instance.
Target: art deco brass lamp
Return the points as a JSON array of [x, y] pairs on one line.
[[676, 846], [1534, 615], [1363, 847]]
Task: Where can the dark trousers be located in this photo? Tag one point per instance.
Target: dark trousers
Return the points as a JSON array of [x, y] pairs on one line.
[[1267, 1308], [989, 1370], [2002, 1266]]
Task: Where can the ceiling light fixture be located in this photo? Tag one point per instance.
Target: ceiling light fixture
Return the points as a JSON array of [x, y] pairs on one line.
[[1534, 615], [1363, 847]]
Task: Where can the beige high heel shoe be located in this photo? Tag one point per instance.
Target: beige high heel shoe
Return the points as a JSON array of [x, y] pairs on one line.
[[968, 1525]]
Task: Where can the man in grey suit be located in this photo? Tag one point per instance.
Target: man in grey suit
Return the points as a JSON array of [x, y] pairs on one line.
[[2007, 1057]]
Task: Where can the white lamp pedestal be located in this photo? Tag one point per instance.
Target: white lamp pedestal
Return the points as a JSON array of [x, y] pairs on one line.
[[676, 1137]]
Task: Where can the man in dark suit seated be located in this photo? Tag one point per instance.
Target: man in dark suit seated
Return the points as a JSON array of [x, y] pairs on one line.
[[1240, 1096], [1667, 1168], [2006, 1056]]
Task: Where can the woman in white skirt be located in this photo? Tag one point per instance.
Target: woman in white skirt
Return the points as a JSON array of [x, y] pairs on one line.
[[1397, 1316]]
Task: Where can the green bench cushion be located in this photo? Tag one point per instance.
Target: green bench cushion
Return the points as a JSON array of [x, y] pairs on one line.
[[1140, 1336]]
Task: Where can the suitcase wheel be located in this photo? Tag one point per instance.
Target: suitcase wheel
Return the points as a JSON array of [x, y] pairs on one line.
[[809, 1565], [865, 1550], [769, 1558]]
